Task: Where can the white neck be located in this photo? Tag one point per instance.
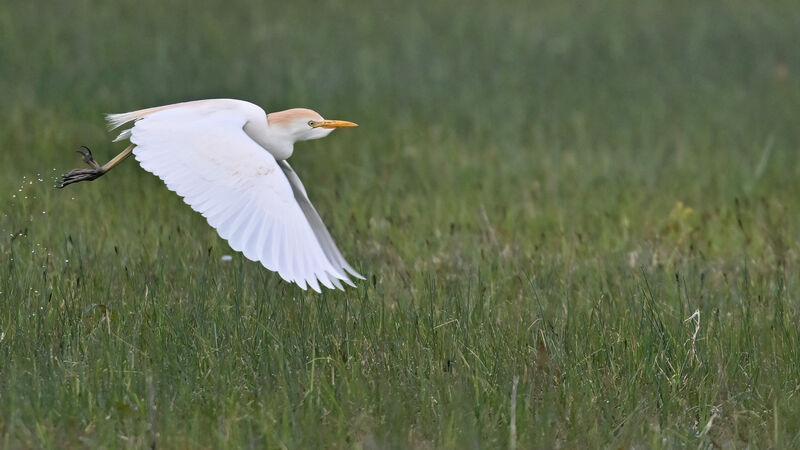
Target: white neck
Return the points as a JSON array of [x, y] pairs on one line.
[[274, 139]]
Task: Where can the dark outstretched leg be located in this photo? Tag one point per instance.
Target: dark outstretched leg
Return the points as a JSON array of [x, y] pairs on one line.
[[95, 171]]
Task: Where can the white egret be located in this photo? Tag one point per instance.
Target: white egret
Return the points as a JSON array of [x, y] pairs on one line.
[[227, 159]]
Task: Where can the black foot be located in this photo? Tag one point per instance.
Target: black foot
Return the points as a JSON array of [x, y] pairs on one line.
[[77, 175]]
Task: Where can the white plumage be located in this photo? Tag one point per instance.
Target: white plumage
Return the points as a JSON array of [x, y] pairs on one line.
[[220, 156]]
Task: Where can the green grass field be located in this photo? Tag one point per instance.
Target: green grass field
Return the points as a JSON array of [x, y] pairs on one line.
[[599, 198]]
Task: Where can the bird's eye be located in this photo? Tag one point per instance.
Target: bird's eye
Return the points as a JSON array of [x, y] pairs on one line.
[[311, 123]]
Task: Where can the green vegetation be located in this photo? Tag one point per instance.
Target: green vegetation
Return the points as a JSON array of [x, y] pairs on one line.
[[600, 198]]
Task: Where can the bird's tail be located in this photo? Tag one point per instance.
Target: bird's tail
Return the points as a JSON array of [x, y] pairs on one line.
[[117, 120]]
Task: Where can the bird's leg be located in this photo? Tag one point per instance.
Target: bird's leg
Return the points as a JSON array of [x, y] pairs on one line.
[[95, 171]]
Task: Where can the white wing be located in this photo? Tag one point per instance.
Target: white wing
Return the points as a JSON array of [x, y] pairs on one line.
[[202, 153]]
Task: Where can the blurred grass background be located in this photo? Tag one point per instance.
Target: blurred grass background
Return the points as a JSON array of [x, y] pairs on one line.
[[549, 190]]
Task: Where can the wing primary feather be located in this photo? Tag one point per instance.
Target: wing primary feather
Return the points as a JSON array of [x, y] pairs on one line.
[[275, 247], [321, 233], [284, 266], [254, 236], [292, 254], [237, 230], [337, 283], [226, 227], [308, 266], [323, 278], [247, 232], [266, 240], [312, 282]]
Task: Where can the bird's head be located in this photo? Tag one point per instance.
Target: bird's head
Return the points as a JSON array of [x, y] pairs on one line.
[[301, 124]]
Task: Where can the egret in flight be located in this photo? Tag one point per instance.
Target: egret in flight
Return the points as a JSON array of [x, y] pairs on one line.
[[227, 159]]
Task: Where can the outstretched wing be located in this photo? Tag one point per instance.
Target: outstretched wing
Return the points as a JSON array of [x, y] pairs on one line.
[[201, 151]]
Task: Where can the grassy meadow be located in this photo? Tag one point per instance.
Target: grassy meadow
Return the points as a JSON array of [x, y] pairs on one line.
[[599, 200]]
